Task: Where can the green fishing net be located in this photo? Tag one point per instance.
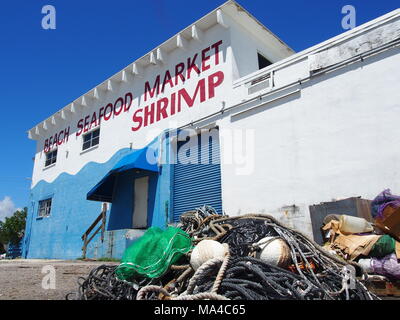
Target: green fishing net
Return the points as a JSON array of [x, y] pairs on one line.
[[383, 247], [153, 253]]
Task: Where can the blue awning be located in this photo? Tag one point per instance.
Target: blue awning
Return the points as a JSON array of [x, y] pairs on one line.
[[138, 159]]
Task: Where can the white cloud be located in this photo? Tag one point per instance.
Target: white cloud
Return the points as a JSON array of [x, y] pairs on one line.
[[7, 208]]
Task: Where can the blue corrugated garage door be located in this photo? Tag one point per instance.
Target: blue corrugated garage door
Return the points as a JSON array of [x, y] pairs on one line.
[[198, 184]]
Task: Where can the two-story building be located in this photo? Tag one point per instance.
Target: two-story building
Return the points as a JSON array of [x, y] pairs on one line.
[[224, 114]]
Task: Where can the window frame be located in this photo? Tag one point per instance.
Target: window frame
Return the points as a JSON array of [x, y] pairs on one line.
[[91, 139], [44, 205], [50, 157]]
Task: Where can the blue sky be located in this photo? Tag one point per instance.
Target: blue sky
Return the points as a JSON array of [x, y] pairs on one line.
[[44, 70]]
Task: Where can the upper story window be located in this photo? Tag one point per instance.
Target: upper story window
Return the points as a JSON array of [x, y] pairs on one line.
[[51, 157], [44, 208], [263, 61], [91, 139]]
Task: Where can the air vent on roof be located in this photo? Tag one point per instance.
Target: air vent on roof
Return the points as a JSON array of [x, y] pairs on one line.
[[260, 83]]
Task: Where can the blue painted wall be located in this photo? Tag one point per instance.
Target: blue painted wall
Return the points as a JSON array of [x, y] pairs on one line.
[[114, 244], [163, 187], [59, 235]]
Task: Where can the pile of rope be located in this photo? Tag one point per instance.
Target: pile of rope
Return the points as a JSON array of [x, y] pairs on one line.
[[102, 284], [313, 274]]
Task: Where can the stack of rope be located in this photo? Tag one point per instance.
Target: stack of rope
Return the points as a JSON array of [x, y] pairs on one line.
[[313, 273]]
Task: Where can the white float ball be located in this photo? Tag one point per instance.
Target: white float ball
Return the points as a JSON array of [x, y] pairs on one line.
[[206, 250], [366, 265], [273, 251]]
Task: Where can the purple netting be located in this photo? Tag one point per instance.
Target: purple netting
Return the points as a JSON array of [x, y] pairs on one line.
[[388, 266], [382, 200]]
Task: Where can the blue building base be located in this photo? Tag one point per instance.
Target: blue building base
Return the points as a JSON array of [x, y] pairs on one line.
[[114, 244]]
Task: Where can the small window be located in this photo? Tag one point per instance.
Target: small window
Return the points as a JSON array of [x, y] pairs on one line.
[[263, 61], [51, 157], [91, 139], [44, 208]]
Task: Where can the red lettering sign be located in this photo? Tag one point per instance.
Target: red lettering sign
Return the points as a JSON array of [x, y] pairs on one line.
[[56, 140], [166, 107]]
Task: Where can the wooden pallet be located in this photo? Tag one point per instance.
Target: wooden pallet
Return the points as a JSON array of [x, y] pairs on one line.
[[384, 288]]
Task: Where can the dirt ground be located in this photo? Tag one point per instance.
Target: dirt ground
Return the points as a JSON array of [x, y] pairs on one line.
[[22, 279]]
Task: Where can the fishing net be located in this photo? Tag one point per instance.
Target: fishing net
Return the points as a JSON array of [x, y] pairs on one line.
[[153, 253], [244, 233]]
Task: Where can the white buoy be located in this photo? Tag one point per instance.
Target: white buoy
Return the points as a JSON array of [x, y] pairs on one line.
[[366, 265], [273, 251], [206, 250]]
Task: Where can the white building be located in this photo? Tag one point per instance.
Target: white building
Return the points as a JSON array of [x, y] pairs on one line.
[[284, 131]]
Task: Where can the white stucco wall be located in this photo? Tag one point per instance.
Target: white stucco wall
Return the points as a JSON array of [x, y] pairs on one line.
[[336, 137], [116, 133]]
